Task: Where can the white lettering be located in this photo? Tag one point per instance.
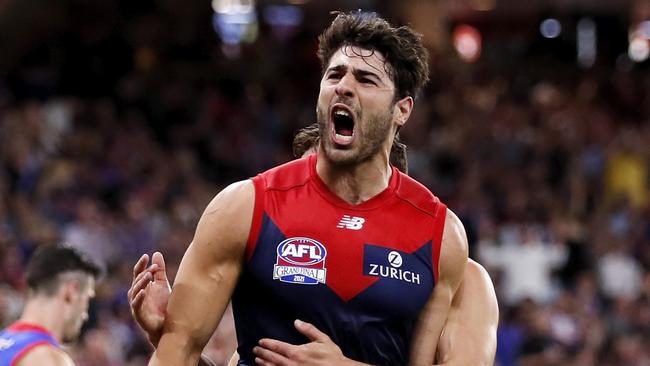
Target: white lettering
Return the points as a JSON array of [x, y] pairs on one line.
[[383, 271], [298, 251], [290, 250], [314, 273], [395, 273], [313, 254], [302, 250]]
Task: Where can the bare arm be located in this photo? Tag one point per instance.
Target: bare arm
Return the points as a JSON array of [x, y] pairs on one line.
[[469, 337], [205, 361], [453, 259], [148, 298], [206, 277], [46, 355]]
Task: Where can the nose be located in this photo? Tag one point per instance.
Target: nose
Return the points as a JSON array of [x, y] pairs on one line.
[[345, 86]]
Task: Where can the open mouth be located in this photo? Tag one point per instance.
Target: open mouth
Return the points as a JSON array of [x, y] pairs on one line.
[[343, 121]]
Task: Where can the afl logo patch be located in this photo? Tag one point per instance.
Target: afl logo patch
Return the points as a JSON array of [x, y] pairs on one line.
[[300, 260]]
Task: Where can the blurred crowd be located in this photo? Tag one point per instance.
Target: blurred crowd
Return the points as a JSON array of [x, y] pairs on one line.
[[115, 135]]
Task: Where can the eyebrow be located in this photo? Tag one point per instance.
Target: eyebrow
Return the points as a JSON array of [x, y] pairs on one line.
[[356, 72]]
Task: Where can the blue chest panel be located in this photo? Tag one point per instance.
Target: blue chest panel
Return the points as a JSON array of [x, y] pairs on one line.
[[296, 278]]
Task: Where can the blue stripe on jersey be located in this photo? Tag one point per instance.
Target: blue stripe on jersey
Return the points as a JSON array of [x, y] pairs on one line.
[[12, 343]]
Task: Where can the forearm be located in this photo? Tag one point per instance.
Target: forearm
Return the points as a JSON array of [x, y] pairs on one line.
[[477, 362], [206, 277], [154, 340], [350, 362], [469, 337], [191, 319], [174, 349], [468, 349], [430, 324], [205, 361], [432, 319]]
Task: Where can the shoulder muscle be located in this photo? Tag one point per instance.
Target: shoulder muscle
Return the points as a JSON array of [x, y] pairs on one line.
[[227, 219], [469, 335], [46, 355], [453, 251]]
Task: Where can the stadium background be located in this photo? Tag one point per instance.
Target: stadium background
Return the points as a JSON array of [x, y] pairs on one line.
[[119, 120]]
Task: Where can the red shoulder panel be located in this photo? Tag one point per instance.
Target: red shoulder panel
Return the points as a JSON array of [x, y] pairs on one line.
[[282, 177]]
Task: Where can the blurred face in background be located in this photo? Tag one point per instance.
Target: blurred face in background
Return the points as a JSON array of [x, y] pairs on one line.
[[78, 299]]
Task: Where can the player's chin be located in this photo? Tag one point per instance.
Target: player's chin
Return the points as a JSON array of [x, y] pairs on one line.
[[72, 336], [75, 331], [341, 155]]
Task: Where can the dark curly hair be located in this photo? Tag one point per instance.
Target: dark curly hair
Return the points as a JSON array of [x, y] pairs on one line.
[[406, 58]]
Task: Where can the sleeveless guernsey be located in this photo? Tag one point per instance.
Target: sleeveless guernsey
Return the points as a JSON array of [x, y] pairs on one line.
[[359, 273], [20, 338]]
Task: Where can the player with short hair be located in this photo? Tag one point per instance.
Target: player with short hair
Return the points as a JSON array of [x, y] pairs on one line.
[[61, 282]]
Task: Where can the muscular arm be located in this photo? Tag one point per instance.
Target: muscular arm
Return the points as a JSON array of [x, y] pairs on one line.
[[206, 277], [453, 259], [469, 337], [206, 361], [46, 355]]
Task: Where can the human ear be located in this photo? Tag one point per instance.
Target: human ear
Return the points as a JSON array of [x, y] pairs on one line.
[[403, 108], [70, 291]]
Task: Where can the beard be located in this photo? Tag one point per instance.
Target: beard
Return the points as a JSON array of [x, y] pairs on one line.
[[370, 135]]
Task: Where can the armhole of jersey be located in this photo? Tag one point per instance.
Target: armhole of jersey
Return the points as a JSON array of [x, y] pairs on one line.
[[23, 352], [438, 229], [258, 183]]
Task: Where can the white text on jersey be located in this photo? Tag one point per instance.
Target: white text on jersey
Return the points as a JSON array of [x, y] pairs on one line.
[[351, 222]]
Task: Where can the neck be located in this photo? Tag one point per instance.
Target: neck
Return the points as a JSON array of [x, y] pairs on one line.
[[45, 312], [355, 183]]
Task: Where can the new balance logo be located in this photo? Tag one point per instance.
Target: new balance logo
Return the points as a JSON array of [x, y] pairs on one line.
[[351, 222]]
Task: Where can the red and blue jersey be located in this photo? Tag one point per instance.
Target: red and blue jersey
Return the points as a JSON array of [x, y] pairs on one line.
[[360, 273], [20, 338]]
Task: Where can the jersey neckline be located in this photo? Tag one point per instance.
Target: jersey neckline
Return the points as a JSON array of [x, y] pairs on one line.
[[372, 203], [23, 326]]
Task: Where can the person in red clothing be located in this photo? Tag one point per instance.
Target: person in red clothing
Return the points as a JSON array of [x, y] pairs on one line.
[[469, 335], [61, 282], [468, 338], [340, 239]]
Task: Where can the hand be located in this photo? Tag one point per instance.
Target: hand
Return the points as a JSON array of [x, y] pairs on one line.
[[321, 351], [149, 294]]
